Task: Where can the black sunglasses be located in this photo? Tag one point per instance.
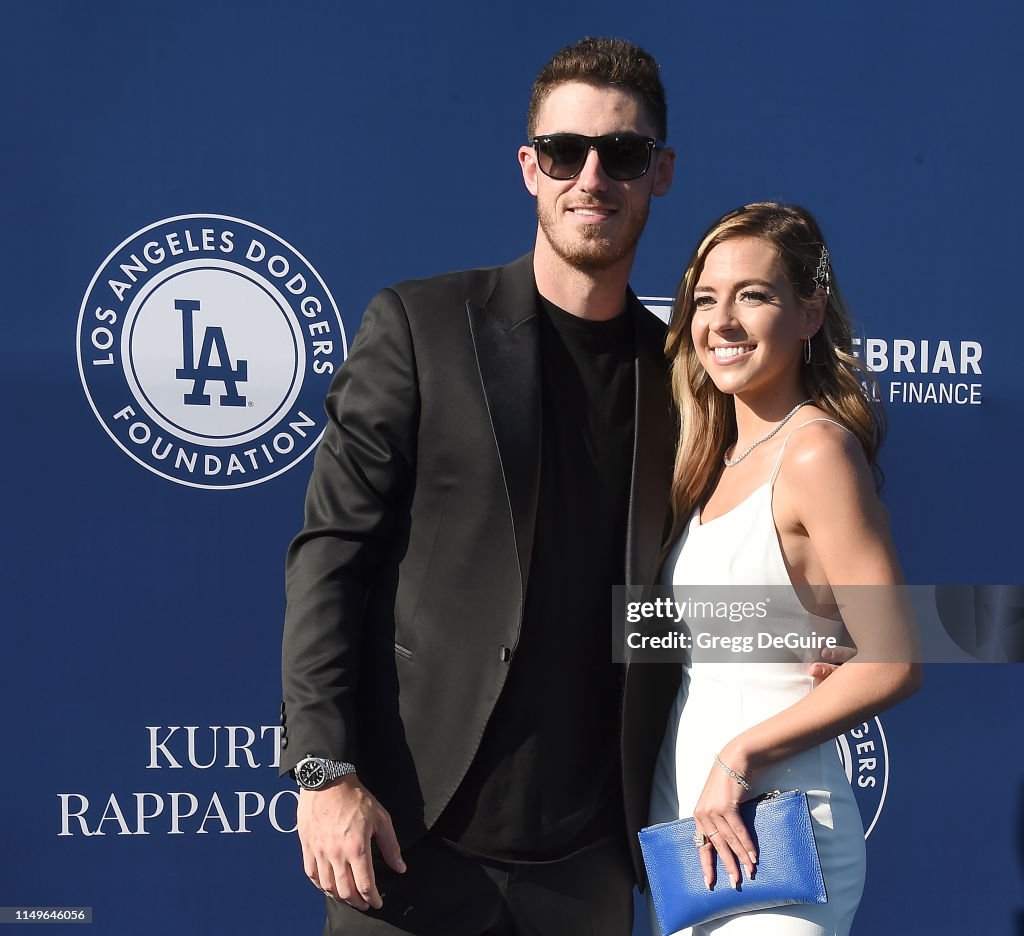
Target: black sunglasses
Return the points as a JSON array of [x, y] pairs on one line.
[[623, 156]]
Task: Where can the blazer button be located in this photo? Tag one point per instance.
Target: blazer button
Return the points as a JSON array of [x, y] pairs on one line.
[[505, 654]]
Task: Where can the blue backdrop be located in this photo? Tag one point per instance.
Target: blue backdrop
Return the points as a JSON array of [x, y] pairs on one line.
[[365, 144]]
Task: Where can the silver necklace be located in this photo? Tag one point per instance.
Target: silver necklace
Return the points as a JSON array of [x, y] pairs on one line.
[[730, 462]]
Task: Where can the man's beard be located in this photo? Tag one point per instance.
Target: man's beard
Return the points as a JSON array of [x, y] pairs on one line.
[[592, 251]]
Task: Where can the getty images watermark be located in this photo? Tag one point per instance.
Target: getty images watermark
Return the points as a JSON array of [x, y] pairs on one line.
[[783, 624]]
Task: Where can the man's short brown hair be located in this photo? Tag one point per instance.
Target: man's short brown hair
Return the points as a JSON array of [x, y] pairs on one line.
[[600, 61]]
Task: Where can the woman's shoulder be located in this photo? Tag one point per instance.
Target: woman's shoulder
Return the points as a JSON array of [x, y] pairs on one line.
[[820, 437], [823, 455]]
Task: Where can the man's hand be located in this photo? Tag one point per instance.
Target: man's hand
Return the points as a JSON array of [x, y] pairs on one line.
[[336, 826], [835, 657]]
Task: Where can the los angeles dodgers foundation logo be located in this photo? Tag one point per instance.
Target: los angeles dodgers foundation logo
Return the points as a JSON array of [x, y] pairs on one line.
[[205, 345], [864, 754]]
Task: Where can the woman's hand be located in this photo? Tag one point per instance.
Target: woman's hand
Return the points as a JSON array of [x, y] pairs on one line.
[[717, 816]]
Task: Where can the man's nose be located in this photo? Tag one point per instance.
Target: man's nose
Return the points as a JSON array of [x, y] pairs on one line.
[[592, 176]]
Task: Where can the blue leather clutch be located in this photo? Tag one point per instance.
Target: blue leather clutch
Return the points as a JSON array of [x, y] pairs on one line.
[[788, 871]]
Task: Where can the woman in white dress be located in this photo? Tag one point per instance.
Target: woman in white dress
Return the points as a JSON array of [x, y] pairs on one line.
[[775, 489]]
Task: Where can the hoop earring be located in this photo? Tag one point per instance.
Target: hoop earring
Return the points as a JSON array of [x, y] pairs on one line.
[[807, 350]]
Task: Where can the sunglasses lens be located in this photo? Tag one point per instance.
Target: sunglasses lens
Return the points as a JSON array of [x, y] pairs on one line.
[[562, 156], [623, 156]]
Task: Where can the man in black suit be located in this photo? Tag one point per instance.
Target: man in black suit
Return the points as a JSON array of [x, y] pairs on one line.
[[498, 456]]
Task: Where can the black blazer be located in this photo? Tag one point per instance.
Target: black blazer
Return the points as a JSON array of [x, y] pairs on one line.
[[406, 585]]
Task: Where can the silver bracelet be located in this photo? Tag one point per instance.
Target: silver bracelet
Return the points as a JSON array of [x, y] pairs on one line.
[[739, 778]]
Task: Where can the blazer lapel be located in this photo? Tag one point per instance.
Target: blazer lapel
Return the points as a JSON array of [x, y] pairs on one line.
[[650, 684], [506, 337], [653, 449]]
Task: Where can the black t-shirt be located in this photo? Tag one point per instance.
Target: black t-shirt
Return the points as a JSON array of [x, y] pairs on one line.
[[546, 779]]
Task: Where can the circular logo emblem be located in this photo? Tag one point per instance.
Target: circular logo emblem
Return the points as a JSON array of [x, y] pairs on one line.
[[865, 757], [206, 345]]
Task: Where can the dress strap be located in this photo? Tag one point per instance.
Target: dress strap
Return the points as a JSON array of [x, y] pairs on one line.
[[782, 451]]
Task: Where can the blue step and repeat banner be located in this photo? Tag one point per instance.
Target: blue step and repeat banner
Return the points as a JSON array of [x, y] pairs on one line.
[[286, 161]]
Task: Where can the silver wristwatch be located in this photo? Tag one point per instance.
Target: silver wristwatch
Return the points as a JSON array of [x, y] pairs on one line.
[[312, 773]]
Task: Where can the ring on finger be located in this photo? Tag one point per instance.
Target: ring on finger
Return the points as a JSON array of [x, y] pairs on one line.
[[700, 839], [713, 834]]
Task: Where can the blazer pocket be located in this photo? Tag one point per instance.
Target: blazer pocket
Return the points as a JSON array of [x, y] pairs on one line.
[[404, 652]]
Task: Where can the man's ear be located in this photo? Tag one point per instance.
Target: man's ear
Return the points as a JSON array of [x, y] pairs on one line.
[[664, 169], [528, 163]]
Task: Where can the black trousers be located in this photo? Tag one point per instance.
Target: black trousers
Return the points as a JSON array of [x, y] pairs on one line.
[[446, 893]]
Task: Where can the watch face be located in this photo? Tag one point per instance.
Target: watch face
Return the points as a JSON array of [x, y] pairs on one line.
[[311, 774]]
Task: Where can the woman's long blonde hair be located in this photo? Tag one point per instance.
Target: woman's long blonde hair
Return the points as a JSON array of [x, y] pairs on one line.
[[835, 379]]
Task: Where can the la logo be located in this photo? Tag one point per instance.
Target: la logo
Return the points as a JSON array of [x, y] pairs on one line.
[[204, 369]]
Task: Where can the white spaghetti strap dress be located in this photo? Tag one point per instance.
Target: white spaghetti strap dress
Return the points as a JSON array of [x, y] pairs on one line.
[[718, 700]]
